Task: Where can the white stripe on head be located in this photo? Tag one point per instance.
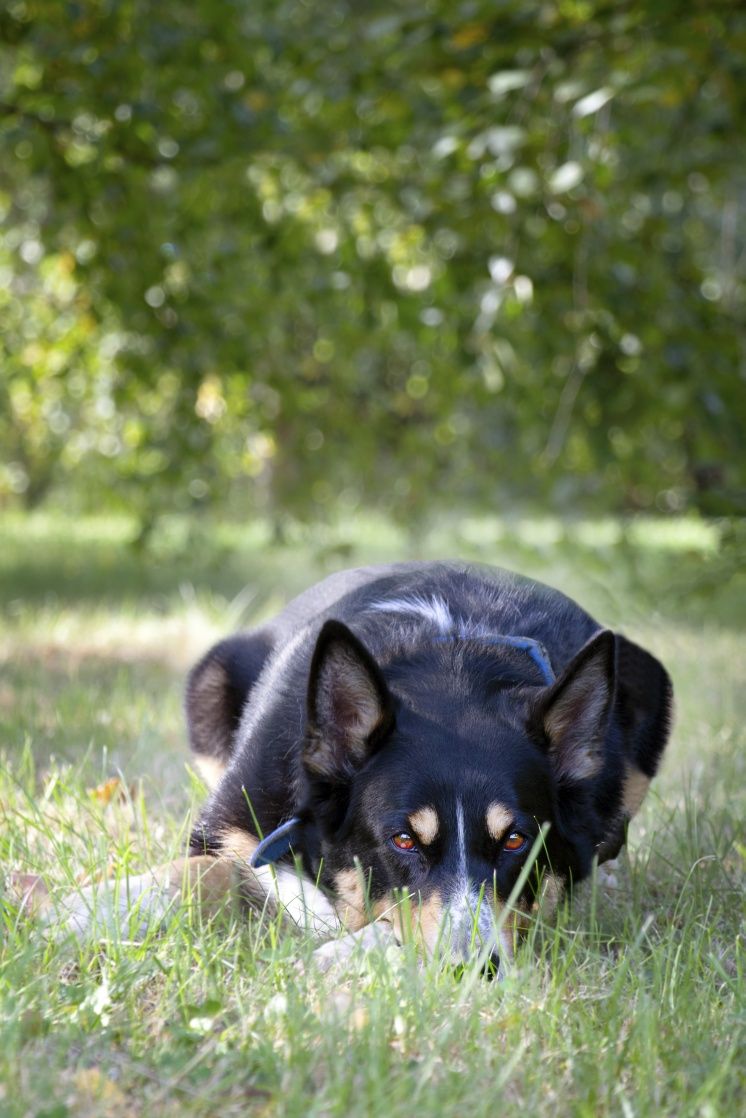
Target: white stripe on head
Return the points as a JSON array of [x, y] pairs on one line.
[[461, 840], [433, 609], [436, 610]]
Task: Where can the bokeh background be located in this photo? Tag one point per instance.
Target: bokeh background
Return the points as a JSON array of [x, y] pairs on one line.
[[287, 261]]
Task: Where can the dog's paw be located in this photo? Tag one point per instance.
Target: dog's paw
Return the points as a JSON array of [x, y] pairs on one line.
[[609, 875], [56, 917], [339, 952], [127, 909], [332, 954]]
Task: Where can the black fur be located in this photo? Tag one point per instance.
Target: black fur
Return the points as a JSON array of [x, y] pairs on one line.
[[353, 716]]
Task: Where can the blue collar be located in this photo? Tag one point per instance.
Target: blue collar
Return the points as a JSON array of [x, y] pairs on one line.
[[276, 843], [536, 651], [279, 842]]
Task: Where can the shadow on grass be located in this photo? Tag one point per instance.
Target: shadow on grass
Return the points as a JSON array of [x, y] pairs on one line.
[[100, 713]]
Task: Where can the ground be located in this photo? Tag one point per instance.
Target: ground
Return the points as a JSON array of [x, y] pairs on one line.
[[631, 1003]]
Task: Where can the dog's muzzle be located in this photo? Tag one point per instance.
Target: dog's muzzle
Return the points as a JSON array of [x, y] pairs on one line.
[[470, 929]]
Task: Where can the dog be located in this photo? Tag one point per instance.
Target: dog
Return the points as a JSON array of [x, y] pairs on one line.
[[432, 751]]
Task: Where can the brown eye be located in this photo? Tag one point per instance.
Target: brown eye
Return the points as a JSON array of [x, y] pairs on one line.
[[404, 842], [515, 842]]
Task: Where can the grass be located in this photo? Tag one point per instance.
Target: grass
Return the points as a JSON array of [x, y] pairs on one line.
[[632, 1003]]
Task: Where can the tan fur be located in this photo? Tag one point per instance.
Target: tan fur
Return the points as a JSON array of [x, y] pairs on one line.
[[429, 920], [284, 887], [350, 899], [428, 923], [210, 685], [210, 769], [385, 909], [498, 820], [201, 879], [239, 844], [390, 910], [636, 786], [319, 758], [515, 924], [583, 759], [425, 824], [210, 734], [421, 920], [424, 921], [152, 898], [552, 889]]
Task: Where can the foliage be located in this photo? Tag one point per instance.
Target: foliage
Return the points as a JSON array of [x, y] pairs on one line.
[[312, 254]]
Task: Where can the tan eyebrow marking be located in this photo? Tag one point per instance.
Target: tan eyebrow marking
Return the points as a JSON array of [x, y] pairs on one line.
[[424, 822], [498, 820]]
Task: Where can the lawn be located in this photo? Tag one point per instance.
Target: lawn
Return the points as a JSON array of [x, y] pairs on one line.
[[631, 1003]]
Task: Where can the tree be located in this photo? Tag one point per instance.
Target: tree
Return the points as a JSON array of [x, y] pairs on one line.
[[380, 252]]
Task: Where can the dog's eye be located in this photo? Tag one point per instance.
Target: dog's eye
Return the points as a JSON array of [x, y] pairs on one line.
[[404, 842], [515, 842]]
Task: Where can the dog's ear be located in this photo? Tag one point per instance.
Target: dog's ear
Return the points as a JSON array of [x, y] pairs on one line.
[[349, 707], [573, 715], [644, 698]]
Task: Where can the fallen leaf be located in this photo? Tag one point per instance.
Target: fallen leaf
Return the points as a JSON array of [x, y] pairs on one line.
[[110, 789]]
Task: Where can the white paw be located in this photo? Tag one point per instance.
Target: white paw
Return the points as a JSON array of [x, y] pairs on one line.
[[609, 874], [337, 952]]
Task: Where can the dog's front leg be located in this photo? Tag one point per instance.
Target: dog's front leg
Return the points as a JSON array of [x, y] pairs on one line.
[[134, 905]]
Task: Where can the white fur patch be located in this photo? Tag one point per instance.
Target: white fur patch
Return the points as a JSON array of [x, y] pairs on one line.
[[461, 839], [300, 900], [437, 612], [340, 951], [433, 609]]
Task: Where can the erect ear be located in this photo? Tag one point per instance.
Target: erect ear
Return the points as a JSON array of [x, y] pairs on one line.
[[574, 714], [349, 707], [644, 697]]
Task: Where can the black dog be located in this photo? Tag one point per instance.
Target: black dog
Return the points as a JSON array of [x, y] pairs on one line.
[[410, 731]]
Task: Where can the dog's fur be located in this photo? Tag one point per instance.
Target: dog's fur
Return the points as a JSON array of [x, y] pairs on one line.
[[385, 702]]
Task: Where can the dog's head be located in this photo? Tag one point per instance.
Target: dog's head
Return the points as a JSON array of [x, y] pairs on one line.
[[433, 779]]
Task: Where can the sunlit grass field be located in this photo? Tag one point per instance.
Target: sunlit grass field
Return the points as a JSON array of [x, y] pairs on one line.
[[632, 1003]]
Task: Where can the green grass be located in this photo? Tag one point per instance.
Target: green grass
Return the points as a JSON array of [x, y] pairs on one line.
[[632, 1003]]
